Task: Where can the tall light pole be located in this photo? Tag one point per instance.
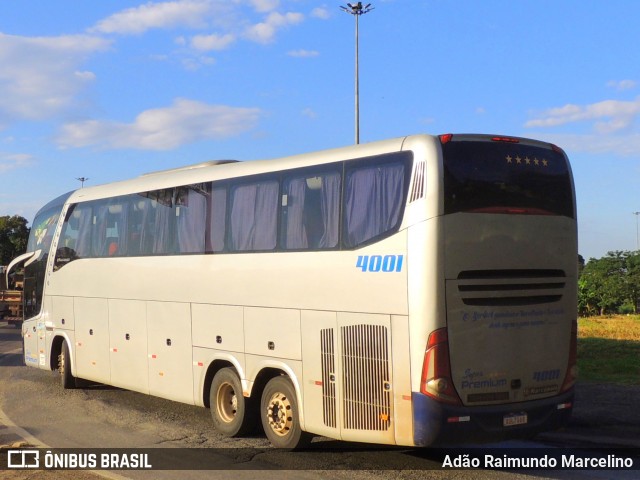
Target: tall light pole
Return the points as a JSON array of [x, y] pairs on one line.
[[82, 180], [357, 9], [637, 236]]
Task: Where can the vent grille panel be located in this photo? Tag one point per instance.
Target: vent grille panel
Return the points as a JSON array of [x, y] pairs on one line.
[[328, 377], [506, 288], [417, 188], [365, 377]]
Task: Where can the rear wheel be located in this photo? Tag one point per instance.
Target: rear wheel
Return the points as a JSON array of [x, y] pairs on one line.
[[230, 410], [67, 379], [280, 416]]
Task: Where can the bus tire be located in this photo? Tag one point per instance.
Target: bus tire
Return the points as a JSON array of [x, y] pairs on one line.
[[230, 410], [67, 380], [280, 416]]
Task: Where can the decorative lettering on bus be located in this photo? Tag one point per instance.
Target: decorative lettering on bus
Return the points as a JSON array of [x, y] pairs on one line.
[[379, 263]]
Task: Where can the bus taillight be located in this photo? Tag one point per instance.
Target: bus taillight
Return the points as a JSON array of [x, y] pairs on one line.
[[572, 367], [505, 139], [436, 369], [446, 138]]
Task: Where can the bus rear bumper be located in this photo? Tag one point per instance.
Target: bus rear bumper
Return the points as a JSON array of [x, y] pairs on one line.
[[435, 422]]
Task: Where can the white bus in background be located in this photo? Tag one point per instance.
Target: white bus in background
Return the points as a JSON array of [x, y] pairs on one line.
[[409, 291]]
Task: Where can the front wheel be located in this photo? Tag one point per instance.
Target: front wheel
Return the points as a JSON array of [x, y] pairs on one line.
[[67, 379], [280, 416]]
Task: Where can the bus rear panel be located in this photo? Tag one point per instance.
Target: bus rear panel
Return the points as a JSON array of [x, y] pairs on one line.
[[504, 365]]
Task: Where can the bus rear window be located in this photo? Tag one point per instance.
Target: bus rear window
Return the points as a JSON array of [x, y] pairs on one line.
[[509, 178]]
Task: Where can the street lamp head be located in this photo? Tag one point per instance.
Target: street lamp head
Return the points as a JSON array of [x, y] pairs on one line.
[[82, 180], [357, 8]]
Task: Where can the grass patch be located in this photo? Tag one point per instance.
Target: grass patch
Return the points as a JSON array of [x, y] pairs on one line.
[[609, 349]]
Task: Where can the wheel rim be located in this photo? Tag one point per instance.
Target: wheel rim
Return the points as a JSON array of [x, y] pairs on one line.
[[61, 363], [227, 402], [279, 414]]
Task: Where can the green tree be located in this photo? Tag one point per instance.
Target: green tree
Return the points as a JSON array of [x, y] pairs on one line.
[[609, 283], [13, 237]]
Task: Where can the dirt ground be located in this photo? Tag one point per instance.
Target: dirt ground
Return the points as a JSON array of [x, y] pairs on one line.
[[603, 416], [606, 413]]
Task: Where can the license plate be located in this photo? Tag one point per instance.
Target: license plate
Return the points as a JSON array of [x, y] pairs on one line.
[[514, 419]]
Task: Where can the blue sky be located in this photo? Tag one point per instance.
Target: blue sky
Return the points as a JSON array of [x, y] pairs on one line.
[[110, 90]]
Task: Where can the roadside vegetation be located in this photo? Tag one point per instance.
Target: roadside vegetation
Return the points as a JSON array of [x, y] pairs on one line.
[[610, 284], [609, 349]]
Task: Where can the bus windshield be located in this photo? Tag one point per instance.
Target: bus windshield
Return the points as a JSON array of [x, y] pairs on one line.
[[42, 232], [504, 177]]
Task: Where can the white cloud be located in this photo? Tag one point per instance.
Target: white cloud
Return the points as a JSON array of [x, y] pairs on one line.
[[621, 85], [610, 115], [39, 77], [301, 53], [309, 113], [264, 32], [207, 43], [137, 20], [320, 12], [185, 121], [195, 63], [622, 145], [265, 5], [11, 161]]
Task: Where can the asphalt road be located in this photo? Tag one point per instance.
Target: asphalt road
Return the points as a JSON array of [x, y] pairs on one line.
[[34, 408]]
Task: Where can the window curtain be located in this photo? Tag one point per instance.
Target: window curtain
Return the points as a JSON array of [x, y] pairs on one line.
[[218, 209], [147, 210], [162, 229], [296, 235], [122, 226], [85, 220], [254, 216], [99, 231], [192, 221], [373, 201], [330, 207]]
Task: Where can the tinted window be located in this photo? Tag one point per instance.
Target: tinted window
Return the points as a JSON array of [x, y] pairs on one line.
[[40, 238], [495, 177], [299, 209], [254, 216], [311, 211], [191, 215], [373, 200]]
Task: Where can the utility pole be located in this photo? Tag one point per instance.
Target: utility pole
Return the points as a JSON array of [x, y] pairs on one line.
[[637, 236], [357, 9]]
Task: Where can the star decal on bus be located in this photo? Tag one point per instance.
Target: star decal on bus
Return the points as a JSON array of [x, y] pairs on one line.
[[535, 161]]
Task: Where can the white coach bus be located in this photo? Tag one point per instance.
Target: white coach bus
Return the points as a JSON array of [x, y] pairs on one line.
[[408, 291]]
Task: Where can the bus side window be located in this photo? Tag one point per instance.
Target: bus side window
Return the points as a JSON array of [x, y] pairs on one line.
[[310, 211], [157, 234], [373, 201], [218, 218], [191, 213], [109, 231], [254, 216]]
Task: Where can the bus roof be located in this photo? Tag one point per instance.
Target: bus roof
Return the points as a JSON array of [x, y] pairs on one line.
[[225, 169]]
